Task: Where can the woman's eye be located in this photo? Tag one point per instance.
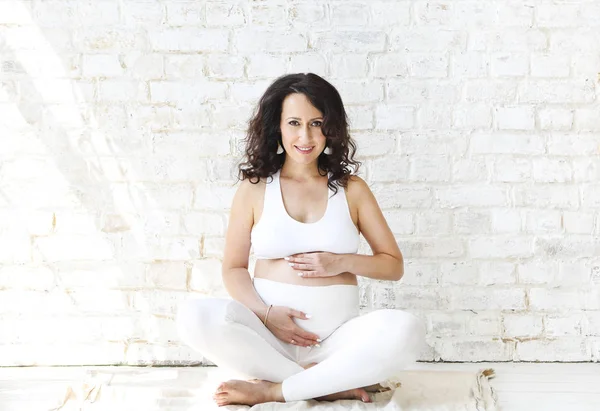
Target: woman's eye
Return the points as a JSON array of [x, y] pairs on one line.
[[315, 122]]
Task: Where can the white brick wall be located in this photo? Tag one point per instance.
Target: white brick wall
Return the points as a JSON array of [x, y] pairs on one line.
[[120, 121]]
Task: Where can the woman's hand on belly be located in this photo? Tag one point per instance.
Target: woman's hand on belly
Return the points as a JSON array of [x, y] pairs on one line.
[[280, 270], [316, 264]]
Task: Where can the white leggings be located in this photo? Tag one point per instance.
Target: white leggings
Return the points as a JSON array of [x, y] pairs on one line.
[[356, 350]]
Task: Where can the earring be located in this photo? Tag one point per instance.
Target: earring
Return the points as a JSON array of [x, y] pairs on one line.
[[279, 149], [327, 150]]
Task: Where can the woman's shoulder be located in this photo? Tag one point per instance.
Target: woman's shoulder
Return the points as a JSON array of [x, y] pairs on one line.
[[356, 184]]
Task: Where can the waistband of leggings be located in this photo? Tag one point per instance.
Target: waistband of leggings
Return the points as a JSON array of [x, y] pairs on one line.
[[298, 286]]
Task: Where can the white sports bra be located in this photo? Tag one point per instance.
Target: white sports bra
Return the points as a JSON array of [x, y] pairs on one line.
[[278, 235]]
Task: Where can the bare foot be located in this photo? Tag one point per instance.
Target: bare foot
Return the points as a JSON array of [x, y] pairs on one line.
[[247, 392], [353, 394]]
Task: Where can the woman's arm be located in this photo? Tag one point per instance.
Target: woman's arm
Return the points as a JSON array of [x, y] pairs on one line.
[[386, 263], [236, 276]]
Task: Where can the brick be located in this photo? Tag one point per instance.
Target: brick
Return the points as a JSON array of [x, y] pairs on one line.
[[434, 116], [417, 297], [307, 14], [497, 272], [568, 349], [421, 91], [224, 66], [586, 119], [472, 221], [25, 276], [72, 247], [102, 65], [471, 196], [100, 275], [575, 144], [484, 324], [192, 14], [552, 170], [515, 15], [500, 91], [374, 144], [361, 117], [186, 92], [428, 65], [349, 41], [498, 247], [265, 65], [440, 247], [167, 274], [506, 221], [563, 324], [473, 349], [424, 39], [158, 302], [555, 119], [390, 117], [447, 324], [360, 92], [543, 221], [578, 222], [199, 223], [568, 246], [557, 15], [309, 63], [433, 142], [550, 65], [537, 272], [389, 169], [272, 15], [505, 143], [352, 65], [201, 144], [547, 196], [472, 116], [400, 222], [513, 39], [433, 223], [420, 273], [188, 39], [522, 325], [349, 15], [224, 14], [509, 65], [251, 41], [515, 118], [541, 299], [586, 169], [178, 248], [468, 64], [469, 298], [556, 92], [464, 272], [143, 12], [430, 168]]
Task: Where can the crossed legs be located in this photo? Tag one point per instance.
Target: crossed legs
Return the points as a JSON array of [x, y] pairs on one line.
[[364, 350]]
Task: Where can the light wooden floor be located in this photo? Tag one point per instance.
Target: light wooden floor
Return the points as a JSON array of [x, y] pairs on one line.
[[538, 386], [519, 386]]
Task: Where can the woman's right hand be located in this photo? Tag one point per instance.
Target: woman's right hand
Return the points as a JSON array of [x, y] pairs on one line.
[[281, 324]]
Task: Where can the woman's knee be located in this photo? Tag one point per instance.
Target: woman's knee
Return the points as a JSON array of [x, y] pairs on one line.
[[402, 333], [199, 318]]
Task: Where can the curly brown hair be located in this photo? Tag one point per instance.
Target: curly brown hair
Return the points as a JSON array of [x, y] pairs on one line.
[[264, 135]]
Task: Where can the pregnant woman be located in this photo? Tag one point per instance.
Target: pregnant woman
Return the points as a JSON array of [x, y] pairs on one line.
[[293, 331]]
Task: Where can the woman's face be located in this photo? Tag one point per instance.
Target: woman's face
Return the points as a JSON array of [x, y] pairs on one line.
[[301, 128]]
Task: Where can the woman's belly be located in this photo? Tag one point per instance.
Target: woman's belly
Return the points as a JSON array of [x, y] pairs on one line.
[[329, 306], [280, 270]]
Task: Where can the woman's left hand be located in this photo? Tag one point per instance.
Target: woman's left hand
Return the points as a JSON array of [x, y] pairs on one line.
[[318, 264]]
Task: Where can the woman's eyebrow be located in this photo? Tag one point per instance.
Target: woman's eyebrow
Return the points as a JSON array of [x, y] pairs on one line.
[[298, 118]]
